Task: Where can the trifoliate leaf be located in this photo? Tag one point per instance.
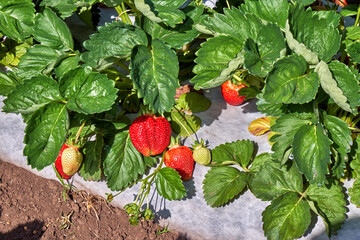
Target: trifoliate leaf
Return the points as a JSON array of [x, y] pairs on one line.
[[241, 151], [44, 135], [185, 124], [113, 41], [87, 92], [330, 203], [154, 72], [169, 185], [288, 82], [287, 217], [91, 168], [122, 162], [193, 102], [311, 150], [217, 60], [17, 18], [274, 180], [330, 86], [262, 52], [38, 60], [222, 184], [273, 11], [52, 32], [32, 94]]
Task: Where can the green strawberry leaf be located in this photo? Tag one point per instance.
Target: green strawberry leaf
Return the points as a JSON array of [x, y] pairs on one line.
[[87, 92], [330, 86], [330, 204], [354, 156], [348, 83], [273, 11], [353, 50], [234, 22], [45, 134], [287, 217], [339, 133], [112, 3], [262, 52], [122, 163], [273, 180], [222, 184], [300, 48], [154, 72], [63, 8], [180, 35], [270, 109], [288, 82], [16, 19], [91, 168], [311, 149], [349, 10], [305, 2], [38, 60], [162, 11], [286, 127], [169, 185], [260, 160], [7, 83], [316, 30], [241, 151], [193, 102], [217, 60], [354, 193], [113, 41], [353, 32], [69, 63], [184, 124], [52, 32], [23, 99]]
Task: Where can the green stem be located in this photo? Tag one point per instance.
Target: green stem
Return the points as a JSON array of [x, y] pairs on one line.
[[228, 5], [241, 80], [125, 13], [316, 110], [354, 129], [122, 65], [79, 131], [357, 17], [231, 162], [122, 14]]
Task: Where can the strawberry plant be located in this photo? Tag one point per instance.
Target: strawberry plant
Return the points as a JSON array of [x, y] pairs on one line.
[[114, 94]]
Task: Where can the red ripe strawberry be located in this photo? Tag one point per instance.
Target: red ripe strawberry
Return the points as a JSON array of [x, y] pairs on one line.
[[68, 161], [150, 135], [342, 3], [181, 159], [230, 93]]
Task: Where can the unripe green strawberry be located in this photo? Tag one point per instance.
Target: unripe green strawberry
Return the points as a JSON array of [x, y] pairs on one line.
[[150, 134], [68, 161], [201, 153]]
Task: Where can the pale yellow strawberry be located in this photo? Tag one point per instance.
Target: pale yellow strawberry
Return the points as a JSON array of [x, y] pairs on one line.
[[71, 160]]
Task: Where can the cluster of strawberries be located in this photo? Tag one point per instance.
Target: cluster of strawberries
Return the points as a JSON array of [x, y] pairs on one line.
[[151, 136]]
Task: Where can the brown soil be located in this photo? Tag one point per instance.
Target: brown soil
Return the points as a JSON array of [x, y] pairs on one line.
[[32, 207]]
